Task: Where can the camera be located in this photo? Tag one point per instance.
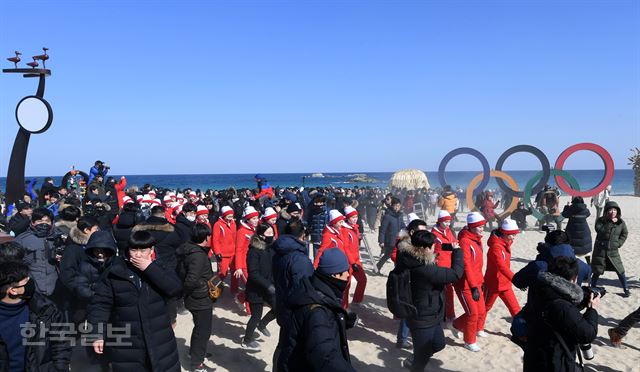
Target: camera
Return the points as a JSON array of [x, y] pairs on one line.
[[55, 245], [548, 228], [447, 247], [588, 291]]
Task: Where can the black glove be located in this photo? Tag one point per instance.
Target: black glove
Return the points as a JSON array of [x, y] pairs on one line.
[[219, 257], [272, 290], [475, 294], [355, 268], [351, 320]]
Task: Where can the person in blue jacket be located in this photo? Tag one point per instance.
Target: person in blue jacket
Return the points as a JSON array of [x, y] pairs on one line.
[[98, 168]]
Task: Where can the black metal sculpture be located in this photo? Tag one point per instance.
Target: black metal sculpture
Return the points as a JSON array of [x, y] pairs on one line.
[[34, 115]]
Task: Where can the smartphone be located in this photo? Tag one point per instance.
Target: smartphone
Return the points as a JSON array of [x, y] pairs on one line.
[[447, 247]]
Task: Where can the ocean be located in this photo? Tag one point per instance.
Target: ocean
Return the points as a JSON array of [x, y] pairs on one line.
[[622, 181]]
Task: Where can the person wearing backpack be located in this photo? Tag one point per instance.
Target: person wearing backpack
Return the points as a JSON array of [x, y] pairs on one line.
[[557, 326], [427, 283], [319, 323]]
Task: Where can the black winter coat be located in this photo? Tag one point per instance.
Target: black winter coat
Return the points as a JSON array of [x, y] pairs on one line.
[[43, 354], [316, 221], [555, 307], [317, 330], [183, 227], [391, 225], [578, 228], [260, 286], [126, 296], [197, 270], [167, 239], [122, 229], [428, 281], [72, 256]]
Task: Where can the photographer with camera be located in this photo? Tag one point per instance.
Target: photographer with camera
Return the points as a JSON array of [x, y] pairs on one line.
[[99, 167], [557, 326], [44, 245]]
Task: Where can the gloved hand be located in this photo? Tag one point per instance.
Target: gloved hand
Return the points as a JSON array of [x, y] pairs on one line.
[[219, 257], [355, 268], [475, 294], [272, 290], [351, 320]]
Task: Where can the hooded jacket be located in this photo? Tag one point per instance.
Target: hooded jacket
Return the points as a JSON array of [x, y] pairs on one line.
[[122, 229], [391, 225], [197, 269], [578, 228], [610, 237], [38, 255], [471, 245], [449, 202], [428, 281], [127, 297], [498, 276], [259, 267], [317, 331], [167, 239], [555, 307], [72, 256]]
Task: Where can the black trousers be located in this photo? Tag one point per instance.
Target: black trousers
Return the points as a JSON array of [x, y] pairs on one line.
[[426, 342], [257, 319], [202, 323], [628, 322]]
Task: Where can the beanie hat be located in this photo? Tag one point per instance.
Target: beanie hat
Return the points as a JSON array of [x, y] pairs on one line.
[[167, 198], [139, 198], [335, 217], [350, 211], [269, 213], [147, 199], [475, 219], [333, 261], [444, 216], [155, 201], [226, 210], [509, 227], [293, 207], [152, 192], [249, 213], [412, 216], [202, 210], [193, 193], [180, 197], [126, 200]]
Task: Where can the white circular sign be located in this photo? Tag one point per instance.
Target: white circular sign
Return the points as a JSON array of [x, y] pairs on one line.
[[34, 114]]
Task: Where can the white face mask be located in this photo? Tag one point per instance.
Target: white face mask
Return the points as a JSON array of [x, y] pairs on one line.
[[191, 218]]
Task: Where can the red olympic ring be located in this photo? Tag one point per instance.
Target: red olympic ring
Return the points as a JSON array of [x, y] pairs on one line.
[[598, 150]]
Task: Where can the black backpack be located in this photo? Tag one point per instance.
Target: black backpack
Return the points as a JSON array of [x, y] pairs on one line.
[[399, 299]]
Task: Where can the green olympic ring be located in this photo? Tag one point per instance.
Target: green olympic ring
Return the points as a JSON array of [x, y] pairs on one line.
[[554, 172]]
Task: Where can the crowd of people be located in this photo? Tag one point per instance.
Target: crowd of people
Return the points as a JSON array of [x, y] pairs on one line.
[[115, 265]]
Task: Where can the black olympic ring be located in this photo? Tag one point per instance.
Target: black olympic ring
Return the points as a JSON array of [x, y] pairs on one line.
[[544, 161]]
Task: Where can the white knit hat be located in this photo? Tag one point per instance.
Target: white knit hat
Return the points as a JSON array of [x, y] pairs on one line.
[[249, 213], [444, 216], [269, 213], [509, 227], [167, 198], [335, 217], [412, 216], [475, 219], [126, 200], [156, 201], [202, 210], [350, 211], [226, 210]]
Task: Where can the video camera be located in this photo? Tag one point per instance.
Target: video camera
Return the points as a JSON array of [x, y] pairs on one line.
[[55, 245]]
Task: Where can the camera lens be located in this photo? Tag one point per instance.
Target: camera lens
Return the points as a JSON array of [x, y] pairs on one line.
[[587, 351]]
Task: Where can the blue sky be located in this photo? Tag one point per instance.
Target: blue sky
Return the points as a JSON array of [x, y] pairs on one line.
[[302, 86]]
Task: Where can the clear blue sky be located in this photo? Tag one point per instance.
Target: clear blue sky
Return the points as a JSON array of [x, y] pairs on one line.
[[302, 86]]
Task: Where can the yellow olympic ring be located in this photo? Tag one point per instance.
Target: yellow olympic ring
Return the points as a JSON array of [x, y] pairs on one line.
[[494, 173]]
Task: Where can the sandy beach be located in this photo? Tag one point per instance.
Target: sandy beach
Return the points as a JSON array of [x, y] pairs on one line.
[[372, 343]]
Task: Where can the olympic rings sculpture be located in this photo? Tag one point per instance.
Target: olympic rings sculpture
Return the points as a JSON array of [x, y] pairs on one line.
[[540, 180]]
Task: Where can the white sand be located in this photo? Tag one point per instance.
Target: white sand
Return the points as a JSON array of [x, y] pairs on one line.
[[372, 344]]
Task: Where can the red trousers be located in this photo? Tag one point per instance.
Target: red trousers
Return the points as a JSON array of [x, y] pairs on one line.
[[472, 321], [507, 297], [361, 278], [223, 268], [449, 308]]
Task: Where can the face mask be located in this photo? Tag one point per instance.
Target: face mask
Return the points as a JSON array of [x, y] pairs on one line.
[[29, 289], [191, 218], [268, 239], [42, 229]]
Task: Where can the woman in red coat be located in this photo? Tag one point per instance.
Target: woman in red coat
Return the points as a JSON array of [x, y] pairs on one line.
[[270, 217], [498, 276], [469, 287], [489, 209], [332, 235], [250, 219], [223, 245], [445, 236], [351, 239]]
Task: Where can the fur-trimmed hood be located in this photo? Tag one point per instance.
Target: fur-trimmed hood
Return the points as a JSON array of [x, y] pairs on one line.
[[165, 227], [68, 224], [422, 255], [564, 288], [77, 236], [257, 243]]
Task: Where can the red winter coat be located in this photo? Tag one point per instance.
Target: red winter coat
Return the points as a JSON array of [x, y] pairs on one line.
[[243, 236], [224, 238], [330, 238], [489, 209], [498, 275], [168, 215], [445, 236], [471, 245], [120, 185], [351, 239]]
